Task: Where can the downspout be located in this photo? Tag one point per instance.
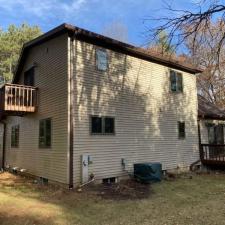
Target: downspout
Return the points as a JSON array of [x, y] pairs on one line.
[[199, 135], [71, 127], [3, 144], [199, 140]]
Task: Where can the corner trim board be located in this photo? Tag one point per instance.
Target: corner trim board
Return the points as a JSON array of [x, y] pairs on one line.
[[70, 117]]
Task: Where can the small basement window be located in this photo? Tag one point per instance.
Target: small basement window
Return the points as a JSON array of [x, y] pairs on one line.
[[111, 180], [176, 81], [102, 125], [45, 133], [181, 130], [15, 136], [101, 59]]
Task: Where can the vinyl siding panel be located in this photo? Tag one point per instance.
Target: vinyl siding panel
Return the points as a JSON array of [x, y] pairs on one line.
[[51, 78], [137, 93]]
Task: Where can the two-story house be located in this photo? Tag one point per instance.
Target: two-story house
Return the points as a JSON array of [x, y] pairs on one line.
[[82, 104]]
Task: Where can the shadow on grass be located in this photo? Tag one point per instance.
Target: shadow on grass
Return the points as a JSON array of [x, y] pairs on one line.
[[23, 202], [11, 218]]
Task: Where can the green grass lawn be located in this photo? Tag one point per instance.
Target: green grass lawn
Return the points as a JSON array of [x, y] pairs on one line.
[[200, 200]]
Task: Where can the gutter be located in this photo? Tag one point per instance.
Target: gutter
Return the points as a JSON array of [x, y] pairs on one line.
[[211, 117], [3, 144], [199, 142]]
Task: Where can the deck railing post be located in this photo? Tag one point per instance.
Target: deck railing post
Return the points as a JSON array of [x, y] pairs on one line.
[[213, 154], [19, 98]]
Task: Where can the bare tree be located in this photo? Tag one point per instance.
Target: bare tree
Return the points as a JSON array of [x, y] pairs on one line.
[[211, 83], [181, 24], [201, 33], [116, 30]]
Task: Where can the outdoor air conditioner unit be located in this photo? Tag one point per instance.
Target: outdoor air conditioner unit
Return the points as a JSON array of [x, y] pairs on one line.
[[148, 172]]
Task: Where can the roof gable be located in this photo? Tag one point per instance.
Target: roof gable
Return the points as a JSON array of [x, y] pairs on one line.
[[105, 42]]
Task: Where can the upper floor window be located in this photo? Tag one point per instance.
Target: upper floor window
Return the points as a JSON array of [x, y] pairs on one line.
[[176, 81], [101, 59], [29, 77], [15, 136], [102, 125], [45, 133], [181, 130]]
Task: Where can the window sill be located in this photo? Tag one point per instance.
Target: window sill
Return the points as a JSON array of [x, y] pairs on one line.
[[102, 134], [176, 92], [44, 147]]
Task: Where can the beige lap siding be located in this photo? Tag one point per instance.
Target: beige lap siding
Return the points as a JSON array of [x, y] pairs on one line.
[[137, 94], [51, 80]]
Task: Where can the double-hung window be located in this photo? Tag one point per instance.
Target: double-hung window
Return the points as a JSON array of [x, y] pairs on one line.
[[15, 136], [176, 81], [101, 59], [45, 133]]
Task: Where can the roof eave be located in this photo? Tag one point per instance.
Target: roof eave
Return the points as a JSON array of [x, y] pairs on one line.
[[211, 117]]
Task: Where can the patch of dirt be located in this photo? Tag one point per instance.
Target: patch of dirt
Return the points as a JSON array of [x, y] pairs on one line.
[[124, 190], [18, 216], [8, 179], [169, 176]]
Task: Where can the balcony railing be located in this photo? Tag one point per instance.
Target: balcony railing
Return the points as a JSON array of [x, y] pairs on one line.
[[18, 98], [212, 154]]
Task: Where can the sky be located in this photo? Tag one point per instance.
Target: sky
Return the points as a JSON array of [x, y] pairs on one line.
[[93, 15]]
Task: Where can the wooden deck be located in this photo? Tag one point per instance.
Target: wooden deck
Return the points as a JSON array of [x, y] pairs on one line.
[[18, 99], [212, 154]]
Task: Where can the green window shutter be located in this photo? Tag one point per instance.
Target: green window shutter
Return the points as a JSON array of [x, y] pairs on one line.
[[48, 129], [17, 130], [173, 81], [179, 82], [41, 133], [12, 137]]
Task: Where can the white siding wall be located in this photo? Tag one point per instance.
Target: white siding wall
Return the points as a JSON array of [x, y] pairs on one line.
[[137, 94], [51, 80]]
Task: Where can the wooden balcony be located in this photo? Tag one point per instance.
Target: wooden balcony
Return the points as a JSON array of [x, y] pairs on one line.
[[17, 99], [212, 154]]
